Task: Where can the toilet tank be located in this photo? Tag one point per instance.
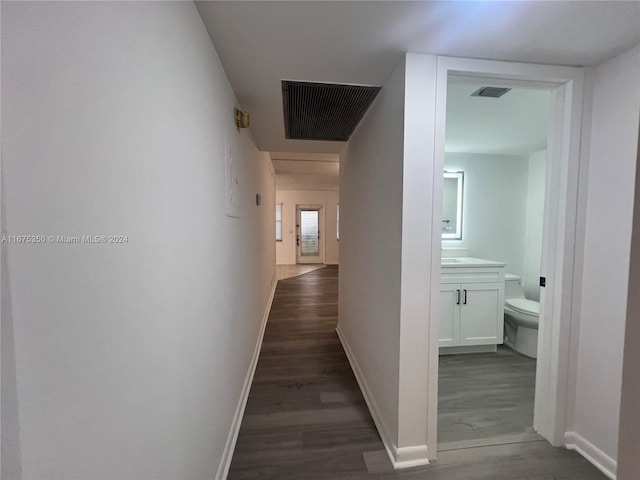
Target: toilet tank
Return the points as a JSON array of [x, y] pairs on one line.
[[512, 286]]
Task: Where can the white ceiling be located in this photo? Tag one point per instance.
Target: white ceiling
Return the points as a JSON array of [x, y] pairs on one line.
[[261, 43], [306, 171], [306, 175], [514, 124]]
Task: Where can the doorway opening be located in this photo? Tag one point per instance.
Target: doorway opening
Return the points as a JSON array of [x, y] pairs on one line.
[[559, 242], [492, 231], [309, 238]]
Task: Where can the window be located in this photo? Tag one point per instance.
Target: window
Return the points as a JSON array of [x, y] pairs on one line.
[[338, 222], [278, 222]]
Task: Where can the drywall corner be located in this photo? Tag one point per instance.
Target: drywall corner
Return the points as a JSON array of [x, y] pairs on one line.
[[419, 263]]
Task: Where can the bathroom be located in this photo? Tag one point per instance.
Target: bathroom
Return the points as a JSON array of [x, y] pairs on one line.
[[493, 209]]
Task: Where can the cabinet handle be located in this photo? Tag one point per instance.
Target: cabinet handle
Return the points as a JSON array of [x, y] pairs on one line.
[[457, 297], [465, 297]]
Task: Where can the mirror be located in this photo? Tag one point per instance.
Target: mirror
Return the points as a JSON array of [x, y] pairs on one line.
[[452, 206]]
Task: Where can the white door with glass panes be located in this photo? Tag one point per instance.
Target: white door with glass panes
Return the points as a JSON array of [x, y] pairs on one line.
[[309, 235]]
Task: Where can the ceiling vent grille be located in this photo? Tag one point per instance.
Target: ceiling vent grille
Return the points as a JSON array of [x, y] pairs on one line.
[[324, 111], [491, 92]]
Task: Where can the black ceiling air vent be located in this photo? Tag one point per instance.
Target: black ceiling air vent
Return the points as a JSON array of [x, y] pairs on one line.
[[324, 111], [491, 92]]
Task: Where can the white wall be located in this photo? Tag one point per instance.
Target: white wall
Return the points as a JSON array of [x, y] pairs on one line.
[[503, 211], [10, 459], [612, 160], [612, 165], [494, 207], [129, 359], [286, 249], [370, 250], [388, 252], [629, 436], [534, 224]]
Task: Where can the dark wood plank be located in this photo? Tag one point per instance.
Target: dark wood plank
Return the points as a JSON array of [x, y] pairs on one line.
[[485, 399], [307, 420]]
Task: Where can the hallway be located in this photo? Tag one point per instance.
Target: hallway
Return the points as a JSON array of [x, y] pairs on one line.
[[306, 418]]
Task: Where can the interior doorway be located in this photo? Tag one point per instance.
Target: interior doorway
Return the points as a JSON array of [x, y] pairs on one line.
[[492, 240], [565, 84], [309, 237]]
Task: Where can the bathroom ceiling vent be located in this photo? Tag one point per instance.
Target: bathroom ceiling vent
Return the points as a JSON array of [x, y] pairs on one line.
[[324, 111], [491, 92]]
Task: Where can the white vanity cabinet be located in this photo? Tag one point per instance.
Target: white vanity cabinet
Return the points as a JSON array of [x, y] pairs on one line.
[[471, 303]]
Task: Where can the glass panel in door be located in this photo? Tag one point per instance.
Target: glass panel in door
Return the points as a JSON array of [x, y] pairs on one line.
[[309, 240]]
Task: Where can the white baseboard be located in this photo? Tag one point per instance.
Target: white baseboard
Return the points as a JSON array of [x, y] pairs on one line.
[[232, 438], [404, 457], [597, 457], [407, 457], [468, 349]]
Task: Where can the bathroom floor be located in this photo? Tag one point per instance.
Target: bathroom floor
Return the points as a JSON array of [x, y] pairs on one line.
[[486, 399]]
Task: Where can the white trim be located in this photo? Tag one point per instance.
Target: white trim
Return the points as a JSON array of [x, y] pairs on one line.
[[232, 438], [368, 397], [407, 457], [400, 457], [558, 261], [566, 84], [588, 450], [468, 349], [420, 256], [310, 189]]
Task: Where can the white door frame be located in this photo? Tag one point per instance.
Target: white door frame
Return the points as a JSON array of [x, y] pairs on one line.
[[321, 233], [561, 207]]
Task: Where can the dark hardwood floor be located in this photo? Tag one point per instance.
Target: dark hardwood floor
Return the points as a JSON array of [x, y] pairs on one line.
[[485, 399], [306, 418]]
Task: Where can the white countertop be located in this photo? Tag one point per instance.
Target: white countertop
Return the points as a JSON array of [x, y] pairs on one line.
[[447, 262]]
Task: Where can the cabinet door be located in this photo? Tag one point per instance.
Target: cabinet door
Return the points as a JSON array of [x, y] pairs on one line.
[[481, 313], [449, 314]]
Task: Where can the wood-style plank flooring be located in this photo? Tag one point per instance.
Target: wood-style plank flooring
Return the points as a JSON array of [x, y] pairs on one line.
[[307, 420], [289, 271], [485, 399]]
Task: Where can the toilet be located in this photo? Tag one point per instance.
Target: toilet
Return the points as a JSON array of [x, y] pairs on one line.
[[520, 318]]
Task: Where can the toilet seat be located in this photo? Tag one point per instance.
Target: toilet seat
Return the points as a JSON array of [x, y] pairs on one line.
[[523, 305]]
